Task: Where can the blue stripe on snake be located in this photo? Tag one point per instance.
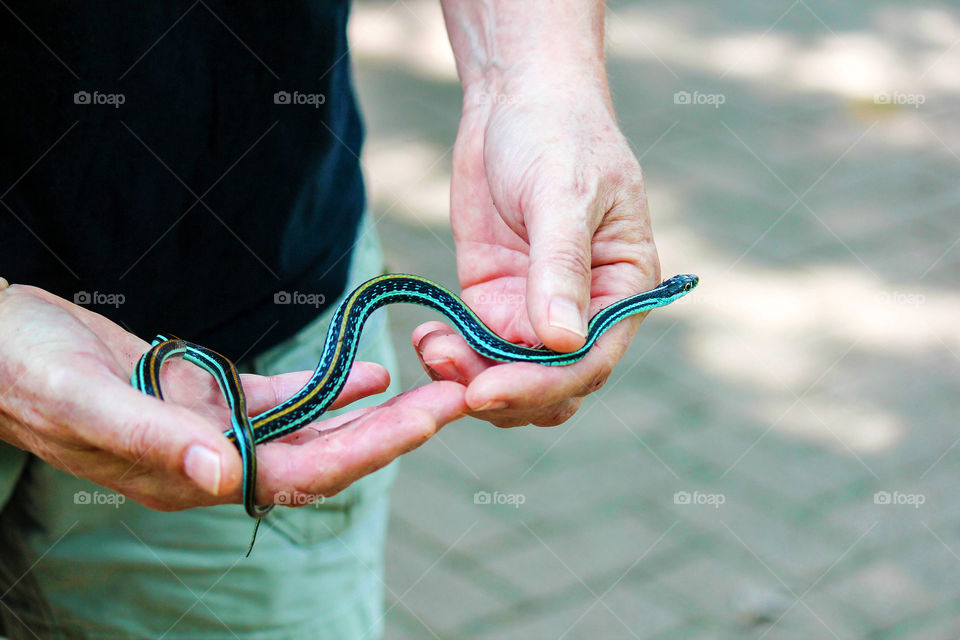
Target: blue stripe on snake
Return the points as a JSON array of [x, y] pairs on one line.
[[308, 404]]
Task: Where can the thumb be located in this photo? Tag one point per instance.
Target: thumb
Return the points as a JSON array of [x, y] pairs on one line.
[[558, 281], [154, 434]]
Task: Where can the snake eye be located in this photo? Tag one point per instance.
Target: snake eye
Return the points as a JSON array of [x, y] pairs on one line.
[[687, 287]]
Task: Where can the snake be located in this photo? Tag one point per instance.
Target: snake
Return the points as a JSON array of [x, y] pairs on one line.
[[343, 336]]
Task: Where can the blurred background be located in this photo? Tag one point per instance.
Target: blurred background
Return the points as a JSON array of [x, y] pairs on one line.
[[777, 455]]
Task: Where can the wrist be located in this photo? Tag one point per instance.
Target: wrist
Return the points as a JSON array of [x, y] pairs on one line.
[[579, 95], [503, 44]]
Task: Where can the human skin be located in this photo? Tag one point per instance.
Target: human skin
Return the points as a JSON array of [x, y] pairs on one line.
[[550, 219], [65, 396], [547, 205]]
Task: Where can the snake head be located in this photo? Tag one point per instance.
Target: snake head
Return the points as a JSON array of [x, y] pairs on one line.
[[680, 285]]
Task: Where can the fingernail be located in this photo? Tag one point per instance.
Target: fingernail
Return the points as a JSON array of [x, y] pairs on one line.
[[564, 314], [433, 373], [202, 465], [445, 369], [493, 405]]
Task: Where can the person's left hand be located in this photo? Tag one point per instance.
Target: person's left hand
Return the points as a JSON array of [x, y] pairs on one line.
[[550, 220]]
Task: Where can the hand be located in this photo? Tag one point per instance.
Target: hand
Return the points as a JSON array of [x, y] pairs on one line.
[[550, 220], [66, 397]]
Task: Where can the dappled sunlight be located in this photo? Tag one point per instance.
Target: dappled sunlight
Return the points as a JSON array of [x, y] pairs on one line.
[[409, 34], [409, 179], [841, 303], [859, 65], [890, 582], [773, 329], [816, 362], [784, 332], [407, 173], [846, 428], [910, 49]]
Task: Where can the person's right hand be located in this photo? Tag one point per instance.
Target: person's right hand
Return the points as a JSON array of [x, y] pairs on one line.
[[65, 396]]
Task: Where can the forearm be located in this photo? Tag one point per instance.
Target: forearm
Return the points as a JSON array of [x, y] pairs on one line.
[[500, 44]]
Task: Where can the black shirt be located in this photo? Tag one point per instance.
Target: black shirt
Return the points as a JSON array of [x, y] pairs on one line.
[[180, 166]]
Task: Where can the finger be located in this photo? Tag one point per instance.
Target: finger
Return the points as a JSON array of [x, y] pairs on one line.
[[558, 283], [445, 355], [325, 427], [158, 491], [428, 327], [522, 385], [365, 379], [266, 392], [110, 415], [519, 386], [545, 416], [329, 464], [557, 414]]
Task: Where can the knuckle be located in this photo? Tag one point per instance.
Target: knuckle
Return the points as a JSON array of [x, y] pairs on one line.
[[422, 424], [558, 414], [655, 269], [431, 372], [335, 489], [509, 423], [596, 381], [159, 505], [305, 492], [135, 439], [574, 260], [640, 180], [276, 388]]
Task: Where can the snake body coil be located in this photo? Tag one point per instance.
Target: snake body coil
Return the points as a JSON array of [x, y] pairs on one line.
[[308, 404]]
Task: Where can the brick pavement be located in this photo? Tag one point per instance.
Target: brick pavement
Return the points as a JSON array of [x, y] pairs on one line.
[[814, 367]]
